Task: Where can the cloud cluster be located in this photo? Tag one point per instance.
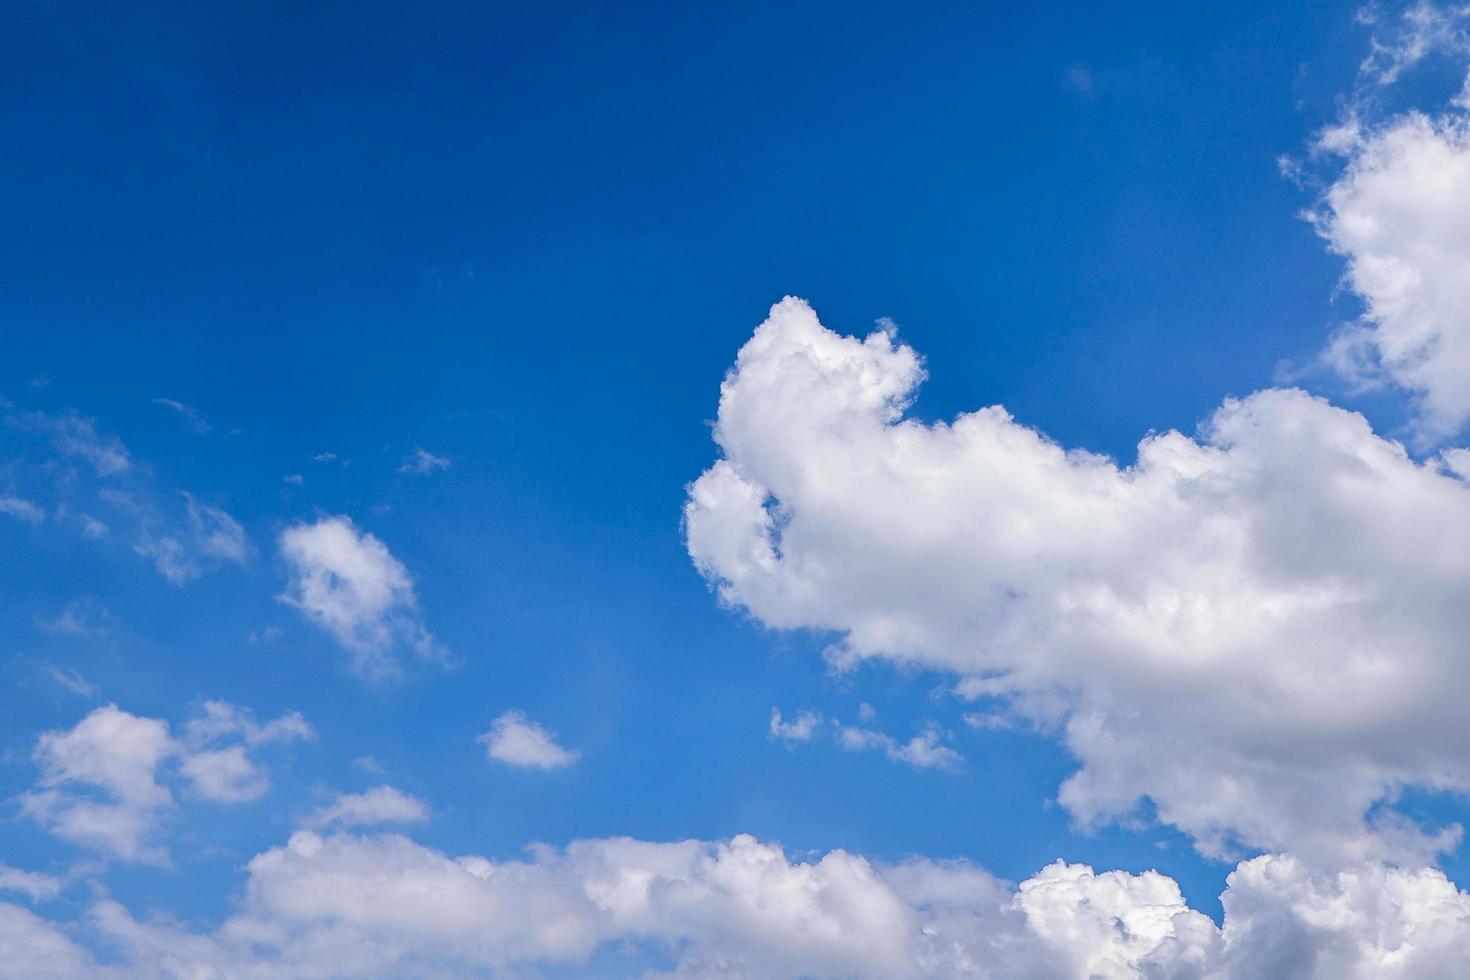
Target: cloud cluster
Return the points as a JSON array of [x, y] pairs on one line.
[[100, 785], [346, 581], [365, 906], [1261, 629]]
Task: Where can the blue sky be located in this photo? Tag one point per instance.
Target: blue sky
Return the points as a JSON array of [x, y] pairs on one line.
[[358, 362]]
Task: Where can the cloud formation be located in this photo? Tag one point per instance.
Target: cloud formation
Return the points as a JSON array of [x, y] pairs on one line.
[[1260, 629], [102, 785], [347, 582]]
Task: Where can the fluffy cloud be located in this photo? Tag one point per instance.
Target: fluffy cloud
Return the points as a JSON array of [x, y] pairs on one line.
[[113, 755], [1400, 214], [379, 805], [347, 582], [516, 740], [799, 729], [348, 906], [100, 785], [1261, 628]]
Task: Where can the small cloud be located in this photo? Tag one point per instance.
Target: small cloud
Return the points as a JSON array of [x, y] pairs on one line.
[[21, 509], [379, 805], [866, 712], [347, 582], [268, 635], [368, 764], [798, 729], [422, 463], [324, 458], [294, 479], [40, 381], [516, 740], [191, 417]]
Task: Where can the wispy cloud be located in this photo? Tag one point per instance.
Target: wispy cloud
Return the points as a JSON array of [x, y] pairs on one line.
[[197, 423], [422, 463]]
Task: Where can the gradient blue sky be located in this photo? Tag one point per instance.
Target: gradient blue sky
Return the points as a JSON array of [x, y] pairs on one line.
[[530, 239]]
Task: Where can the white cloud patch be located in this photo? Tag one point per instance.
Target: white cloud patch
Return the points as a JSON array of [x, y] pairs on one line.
[[798, 729], [347, 582], [379, 805], [516, 740], [1260, 629]]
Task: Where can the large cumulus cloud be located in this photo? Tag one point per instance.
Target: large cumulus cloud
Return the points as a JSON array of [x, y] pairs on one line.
[[1261, 628]]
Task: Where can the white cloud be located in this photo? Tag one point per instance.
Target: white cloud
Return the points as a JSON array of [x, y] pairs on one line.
[[362, 906], [21, 509], [798, 729], [1259, 629], [346, 581], [379, 805], [1400, 214], [220, 720], [32, 884], [516, 740], [117, 754], [422, 463], [33, 949], [100, 785], [226, 775], [925, 750]]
